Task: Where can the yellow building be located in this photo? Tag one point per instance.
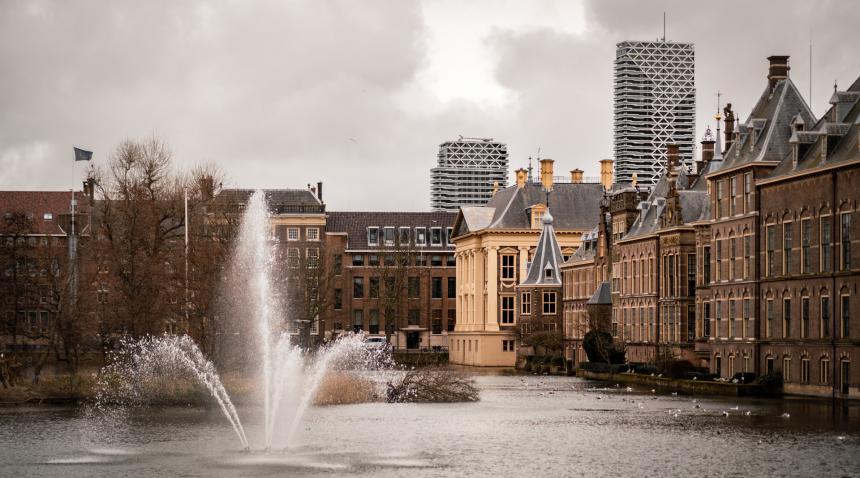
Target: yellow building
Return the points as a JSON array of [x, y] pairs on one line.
[[494, 244]]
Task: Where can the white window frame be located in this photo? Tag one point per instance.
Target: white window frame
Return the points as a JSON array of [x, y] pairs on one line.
[[293, 257], [545, 303], [293, 233], [421, 236], [369, 241], [436, 230], [312, 233]]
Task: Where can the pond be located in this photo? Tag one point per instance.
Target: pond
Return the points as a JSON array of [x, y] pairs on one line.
[[523, 425]]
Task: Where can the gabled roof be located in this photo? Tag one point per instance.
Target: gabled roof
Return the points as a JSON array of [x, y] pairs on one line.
[[602, 295], [587, 248], [355, 225], [544, 268], [767, 130], [279, 200]]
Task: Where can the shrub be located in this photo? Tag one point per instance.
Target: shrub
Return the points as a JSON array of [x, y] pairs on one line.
[[770, 380]]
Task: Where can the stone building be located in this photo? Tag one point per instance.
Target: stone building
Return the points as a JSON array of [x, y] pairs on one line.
[[579, 281], [494, 245], [393, 274]]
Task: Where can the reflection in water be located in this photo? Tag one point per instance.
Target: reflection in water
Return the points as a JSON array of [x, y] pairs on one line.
[[545, 426]]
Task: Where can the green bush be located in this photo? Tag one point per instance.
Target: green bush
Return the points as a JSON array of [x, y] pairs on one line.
[[770, 380]]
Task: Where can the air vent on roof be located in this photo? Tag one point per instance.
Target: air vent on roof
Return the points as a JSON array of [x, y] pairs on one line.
[[660, 202]]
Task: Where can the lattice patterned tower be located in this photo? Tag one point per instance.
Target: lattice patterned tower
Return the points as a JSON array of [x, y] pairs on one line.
[[467, 172], [655, 105]]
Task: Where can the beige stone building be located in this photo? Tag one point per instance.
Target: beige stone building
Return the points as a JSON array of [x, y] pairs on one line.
[[494, 245]]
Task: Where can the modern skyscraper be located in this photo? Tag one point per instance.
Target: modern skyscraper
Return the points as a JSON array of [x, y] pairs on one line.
[[655, 105], [467, 172]]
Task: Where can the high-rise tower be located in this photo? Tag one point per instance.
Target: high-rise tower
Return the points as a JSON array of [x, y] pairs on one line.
[[655, 105], [468, 171]]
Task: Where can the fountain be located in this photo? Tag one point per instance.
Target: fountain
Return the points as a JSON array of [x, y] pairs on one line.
[[289, 379]]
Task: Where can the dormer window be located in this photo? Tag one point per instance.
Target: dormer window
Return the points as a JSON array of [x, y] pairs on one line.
[[48, 216], [547, 273]]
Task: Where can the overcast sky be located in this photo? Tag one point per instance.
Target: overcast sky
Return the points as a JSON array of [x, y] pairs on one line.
[[359, 94]]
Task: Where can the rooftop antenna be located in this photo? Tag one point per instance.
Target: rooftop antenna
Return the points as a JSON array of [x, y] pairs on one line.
[[664, 27]]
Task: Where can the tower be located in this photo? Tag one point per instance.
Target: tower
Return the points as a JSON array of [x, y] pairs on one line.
[[466, 171], [655, 105]]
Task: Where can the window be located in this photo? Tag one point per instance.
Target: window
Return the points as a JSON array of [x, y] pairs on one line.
[[718, 309], [845, 242], [312, 233], [825, 317], [449, 236], [507, 309], [732, 316], [436, 321], [436, 289], [338, 264], [420, 236], [805, 241], [313, 256], [436, 260], [691, 321], [748, 192], [786, 248], [389, 260], [804, 370], [719, 260], [549, 301], [706, 264], [358, 287], [450, 260], [671, 260], [388, 236], [824, 245], [48, 216], [733, 254], [706, 314], [373, 291], [374, 321], [746, 330], [508, 269], [293, 257], [786, 369], [414, 317], [292, 234], [824, 371], [691, 275], [404, 236], [373, 260], [372, 236], [357, 320], [338, 299], [452, 319], [719, 199], [414, 286], [452, 287], [768, 325], [786, 318], [507, 345], [435, 236], [845, 311], [102, 294], [747, 256], [526, 303], [733, 191], [770, 245], [804, 317], [357, 260]]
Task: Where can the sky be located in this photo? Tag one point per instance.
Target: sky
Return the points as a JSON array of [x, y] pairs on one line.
[[359, 94]]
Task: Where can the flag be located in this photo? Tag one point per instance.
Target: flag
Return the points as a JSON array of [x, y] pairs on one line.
[[83, 155]]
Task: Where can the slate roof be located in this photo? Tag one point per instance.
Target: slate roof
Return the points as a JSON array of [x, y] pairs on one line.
[[575, 206], [587, 249], [602, 295], [765, 134], [543, 270], [281, 201], [355, 225], [847, 130], [37, 203]]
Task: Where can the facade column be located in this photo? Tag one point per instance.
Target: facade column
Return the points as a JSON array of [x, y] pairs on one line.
[[458, 273], [524, 263], [479, 268], [491, 322]]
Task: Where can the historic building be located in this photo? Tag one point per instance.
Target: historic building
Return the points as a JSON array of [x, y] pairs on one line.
[[494, 245], [468, 172], [393, 274], [655, 105], [746, 265]]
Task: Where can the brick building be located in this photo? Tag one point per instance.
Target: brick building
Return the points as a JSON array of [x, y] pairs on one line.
[[394, 274]]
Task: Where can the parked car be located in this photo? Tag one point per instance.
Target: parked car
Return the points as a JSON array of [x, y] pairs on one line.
[[375, 342]]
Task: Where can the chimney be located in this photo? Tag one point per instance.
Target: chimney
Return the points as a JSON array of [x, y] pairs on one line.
[[546, 173], [730, 128], [778, 70], [90, 189], [635, 179], [495, 187], [672, 158], [522, 176], [319, 190], [576, 176], [207, 188], [606, 173], [707, 151]]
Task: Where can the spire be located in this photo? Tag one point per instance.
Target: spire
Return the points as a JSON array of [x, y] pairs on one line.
[[544, 268]]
